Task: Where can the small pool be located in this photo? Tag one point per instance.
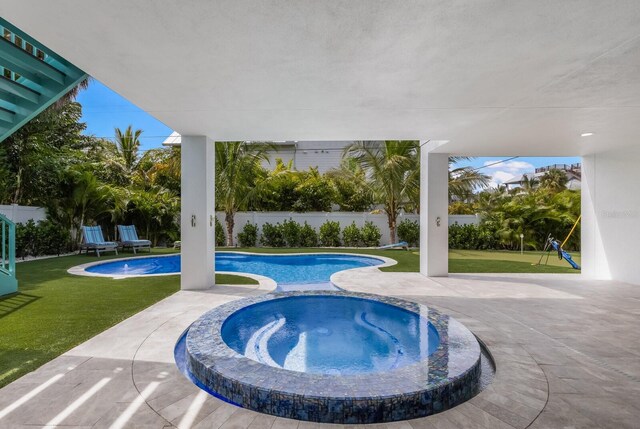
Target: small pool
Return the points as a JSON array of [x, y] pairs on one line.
[[332, 356], [288, 271], [341, 335]]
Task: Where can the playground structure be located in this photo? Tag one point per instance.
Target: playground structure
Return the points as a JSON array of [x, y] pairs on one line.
[[401, 245]]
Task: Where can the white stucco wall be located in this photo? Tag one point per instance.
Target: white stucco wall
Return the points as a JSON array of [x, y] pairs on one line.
[[611, 216]]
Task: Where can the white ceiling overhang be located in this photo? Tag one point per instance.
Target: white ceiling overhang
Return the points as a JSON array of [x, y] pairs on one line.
[[510, 77]]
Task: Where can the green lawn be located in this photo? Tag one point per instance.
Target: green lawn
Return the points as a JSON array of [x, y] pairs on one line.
[[55, 311], [460, 261], [481, 261]]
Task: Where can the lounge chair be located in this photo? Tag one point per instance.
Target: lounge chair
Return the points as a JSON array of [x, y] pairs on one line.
[[92, 239], [129, 238]]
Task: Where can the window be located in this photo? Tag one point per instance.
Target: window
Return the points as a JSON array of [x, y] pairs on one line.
[[17, 40]]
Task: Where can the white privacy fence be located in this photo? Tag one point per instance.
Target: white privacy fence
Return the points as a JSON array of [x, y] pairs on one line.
[[316, 219], [22, 214]]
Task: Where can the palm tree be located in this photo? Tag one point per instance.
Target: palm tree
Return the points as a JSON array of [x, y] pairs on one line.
[[72, 94], [529, 184], [388, 166], [464, 181], [128, 146], [350, 182], [554, 180], [238, 164]]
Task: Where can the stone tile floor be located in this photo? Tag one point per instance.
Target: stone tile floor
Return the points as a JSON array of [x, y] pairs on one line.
[[567, 353]]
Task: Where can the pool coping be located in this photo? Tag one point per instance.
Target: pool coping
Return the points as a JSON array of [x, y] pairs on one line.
[[426, 387], [81, 270]]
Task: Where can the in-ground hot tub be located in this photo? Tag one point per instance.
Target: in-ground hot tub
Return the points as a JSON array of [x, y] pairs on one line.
[[336, 357]]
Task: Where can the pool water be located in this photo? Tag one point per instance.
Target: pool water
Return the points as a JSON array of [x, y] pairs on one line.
[[340, 335], [313, 270]]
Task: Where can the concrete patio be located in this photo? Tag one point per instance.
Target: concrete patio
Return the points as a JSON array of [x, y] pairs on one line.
[[567, 352]]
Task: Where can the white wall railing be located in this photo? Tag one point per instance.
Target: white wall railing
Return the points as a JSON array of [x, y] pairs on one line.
[[22, 214]]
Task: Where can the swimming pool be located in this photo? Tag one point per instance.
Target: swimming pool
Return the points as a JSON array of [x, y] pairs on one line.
[[332, 356], [289, 271]]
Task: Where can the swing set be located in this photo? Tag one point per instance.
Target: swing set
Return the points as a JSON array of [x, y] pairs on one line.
[[553, 244]]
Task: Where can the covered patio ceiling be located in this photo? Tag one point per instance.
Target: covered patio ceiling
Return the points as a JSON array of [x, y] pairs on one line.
[[491, 77]]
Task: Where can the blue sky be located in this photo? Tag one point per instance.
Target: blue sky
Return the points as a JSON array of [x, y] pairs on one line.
[[103, 110]]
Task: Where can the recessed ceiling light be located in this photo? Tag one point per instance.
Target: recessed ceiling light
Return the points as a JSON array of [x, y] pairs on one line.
[[586, 134]]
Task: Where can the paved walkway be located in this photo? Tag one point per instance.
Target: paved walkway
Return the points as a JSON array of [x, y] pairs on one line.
[[567, 352]]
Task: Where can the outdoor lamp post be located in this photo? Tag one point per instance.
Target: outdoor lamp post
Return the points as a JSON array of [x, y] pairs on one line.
[[522, 244]]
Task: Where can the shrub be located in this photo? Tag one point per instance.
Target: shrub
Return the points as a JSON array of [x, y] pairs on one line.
[[330, 234], [248, 237], [291, 232], [370, 234], [221, 238], [272, 235], [351, 235], [308, 236], [315, 193], [409, 231], [43, 238], [473, 237]]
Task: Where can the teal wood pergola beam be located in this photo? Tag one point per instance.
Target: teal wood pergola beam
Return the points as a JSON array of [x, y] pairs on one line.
[[13, 88], [24, 119], [28, 62], [60, 63], [7, 116]]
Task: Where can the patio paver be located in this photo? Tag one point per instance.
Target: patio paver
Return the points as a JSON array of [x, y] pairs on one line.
[[567, 353]]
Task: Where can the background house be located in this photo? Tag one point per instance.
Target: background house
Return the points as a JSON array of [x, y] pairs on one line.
[[573, 172]]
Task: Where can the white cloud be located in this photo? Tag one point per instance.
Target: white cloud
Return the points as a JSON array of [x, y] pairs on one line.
[[511, 166], [501, 172]]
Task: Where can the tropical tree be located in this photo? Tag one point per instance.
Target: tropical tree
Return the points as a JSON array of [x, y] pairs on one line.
[[33, 158], [554, 180], [156, 211], [238, 169], [161, 167], [81, 201], [529, 184], [464, 182], [388, 166], [277, 190], [352, 192], [127, 149]]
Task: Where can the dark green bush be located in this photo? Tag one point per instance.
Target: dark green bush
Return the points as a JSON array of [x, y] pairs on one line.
[[370, 234], [42, 238], [291, 232], [409, 231], [272, 235], [351, 235], [221, 238], [308, 236], [330, 234], [248, 237], [473, 237]]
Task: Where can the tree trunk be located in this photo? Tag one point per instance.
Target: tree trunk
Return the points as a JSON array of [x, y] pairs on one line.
[[230, 221], [392, 228]]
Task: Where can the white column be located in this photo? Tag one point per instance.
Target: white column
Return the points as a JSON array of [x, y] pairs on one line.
[[594, 255], [434, 219], [197, 223]]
